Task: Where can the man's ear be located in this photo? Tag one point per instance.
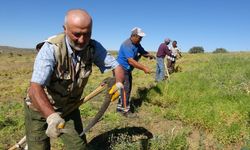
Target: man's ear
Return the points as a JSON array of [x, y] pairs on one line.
[[64, 28]]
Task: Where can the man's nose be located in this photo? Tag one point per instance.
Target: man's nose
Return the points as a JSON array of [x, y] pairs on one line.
[[81, 39]]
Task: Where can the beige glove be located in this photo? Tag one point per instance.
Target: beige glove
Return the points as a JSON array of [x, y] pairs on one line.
[[116, 91], [55, 122]]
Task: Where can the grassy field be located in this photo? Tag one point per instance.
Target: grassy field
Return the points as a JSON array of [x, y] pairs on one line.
[[204, 106]]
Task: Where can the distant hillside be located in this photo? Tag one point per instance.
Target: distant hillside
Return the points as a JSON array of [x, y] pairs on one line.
[[4, 49]]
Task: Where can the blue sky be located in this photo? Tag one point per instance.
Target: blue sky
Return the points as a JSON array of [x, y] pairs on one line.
[[208, 23]]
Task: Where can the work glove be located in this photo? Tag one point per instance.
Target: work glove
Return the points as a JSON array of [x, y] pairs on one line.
[[55, 123], [116, 91]]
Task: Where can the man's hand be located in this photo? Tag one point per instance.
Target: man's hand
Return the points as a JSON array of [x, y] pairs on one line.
[[150, 56], [147, 70], [116, 91], [55, 122]]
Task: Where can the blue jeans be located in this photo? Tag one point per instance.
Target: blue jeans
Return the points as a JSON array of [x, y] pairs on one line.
[[160, 69], [124, 100]]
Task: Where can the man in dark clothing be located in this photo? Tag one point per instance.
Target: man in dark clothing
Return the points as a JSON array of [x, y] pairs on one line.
[[163, 50]]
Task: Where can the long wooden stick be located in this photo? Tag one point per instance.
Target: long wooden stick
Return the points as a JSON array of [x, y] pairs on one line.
[[166, 69], [19, 145], [98, 90]]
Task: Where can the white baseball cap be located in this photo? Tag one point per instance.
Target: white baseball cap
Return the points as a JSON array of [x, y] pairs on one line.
[[138, 31]]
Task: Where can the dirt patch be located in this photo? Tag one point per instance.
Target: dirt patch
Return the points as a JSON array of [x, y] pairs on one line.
[[146, 123]]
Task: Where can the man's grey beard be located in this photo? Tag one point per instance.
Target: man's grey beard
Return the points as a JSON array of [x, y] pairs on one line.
[[72, 44]]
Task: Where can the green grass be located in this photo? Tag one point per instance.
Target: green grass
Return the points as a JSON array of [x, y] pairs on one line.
[[15, 73], [211, 93]]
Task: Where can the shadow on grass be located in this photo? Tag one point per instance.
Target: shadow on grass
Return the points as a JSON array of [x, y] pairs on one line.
[[143, 96], [116, 136]]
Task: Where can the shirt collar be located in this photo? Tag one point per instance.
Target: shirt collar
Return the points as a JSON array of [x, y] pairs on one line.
[[70, 51]]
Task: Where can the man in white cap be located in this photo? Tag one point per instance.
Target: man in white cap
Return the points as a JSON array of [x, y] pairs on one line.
[[163, 50], [128, 56]]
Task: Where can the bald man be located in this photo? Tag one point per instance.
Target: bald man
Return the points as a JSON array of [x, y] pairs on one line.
[[61, 71]]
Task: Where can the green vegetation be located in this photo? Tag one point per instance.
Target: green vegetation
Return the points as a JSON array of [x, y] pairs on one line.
[[196, 49], [220, 50], [205, 106], [212, 94]]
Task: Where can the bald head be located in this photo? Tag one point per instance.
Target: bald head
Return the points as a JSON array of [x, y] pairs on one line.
[[79, 17], [78, 28]]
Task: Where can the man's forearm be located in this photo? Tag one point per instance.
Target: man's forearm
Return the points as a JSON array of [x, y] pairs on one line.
[[136, 64], [149, 55], [40, 100]]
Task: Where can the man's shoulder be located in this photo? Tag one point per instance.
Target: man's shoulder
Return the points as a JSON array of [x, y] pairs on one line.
[[163, 45], [127, 45], [95, 43], [55, 39]]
